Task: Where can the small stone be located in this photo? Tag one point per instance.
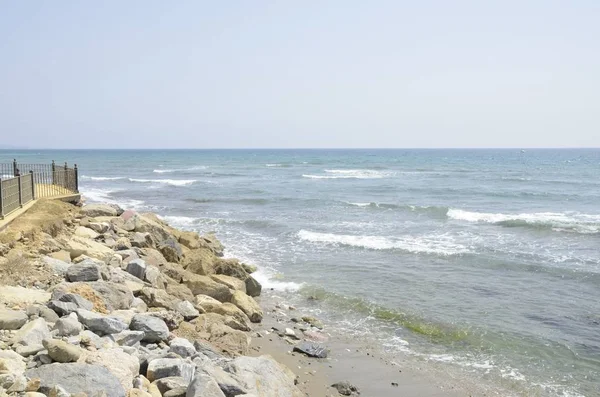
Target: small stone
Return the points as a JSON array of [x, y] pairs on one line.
[[311, 349], [346, 389]]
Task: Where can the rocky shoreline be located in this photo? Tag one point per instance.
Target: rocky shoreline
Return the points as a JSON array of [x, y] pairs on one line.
[[98, 301]]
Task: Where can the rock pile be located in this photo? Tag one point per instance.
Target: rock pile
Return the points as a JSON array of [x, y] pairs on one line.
[[132, 307]]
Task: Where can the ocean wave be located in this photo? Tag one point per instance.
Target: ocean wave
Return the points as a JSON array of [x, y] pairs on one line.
[[172, 182], [279, 165], [426, 209], [433, 244], [194, 168], [557, 221], [104, 196], [102, 178], [351, 174]]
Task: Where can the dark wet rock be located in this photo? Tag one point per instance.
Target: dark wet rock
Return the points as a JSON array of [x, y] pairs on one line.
[[253, 287], [345, 388], [137, 268], [311, 349]]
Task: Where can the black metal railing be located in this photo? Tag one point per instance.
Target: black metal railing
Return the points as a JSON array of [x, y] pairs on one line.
[[22, 183]]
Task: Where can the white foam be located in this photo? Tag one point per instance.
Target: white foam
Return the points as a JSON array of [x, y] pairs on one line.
[[360, 204], [274, 165], [180, 221], [102, 178], [561, 221], [172, 182], [351, 174], [96, 195], [195, 168], [432, 244]]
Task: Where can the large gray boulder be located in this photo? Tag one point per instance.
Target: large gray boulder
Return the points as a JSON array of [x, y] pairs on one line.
[[12, 319], [137, 268], [68, 326], [62, 308], [116, 296], [77, 378], [84, 271], [155, 329], [100, 324], [182, 347], [32, 333], [263, 376], [204, 386], [95, 210], [167, 367], [79, 300]]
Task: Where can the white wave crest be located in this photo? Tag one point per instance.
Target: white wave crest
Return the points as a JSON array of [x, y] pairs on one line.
[[360, 204], [102, 178], [104, 196], [195, 168], [172, 182], [434, 244], [180, 221], [558, 221], [351, 174], [273, 165]]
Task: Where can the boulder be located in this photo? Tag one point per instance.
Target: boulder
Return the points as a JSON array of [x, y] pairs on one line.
[[199, 261], [263, 376], [248, 305], [190, 240], [253, 287], [249, 268], [142, 240], [114, 295], [226, 338], [121, 365], [95, 210], [137, 268], [179, 291], [204, 386], [86, 233], [211, 242], [27, 351], [11, 362], [32, 333], [167, 367], [172, 318], [149, 223], [83, 271], [99, 227], [61, 351], [77, 378], [154, 297], [230, 282], [61, 255], [12, 319], [99, 323], [155, 329], [153, 257], [207, 303], [206, 286], [20, 296], [311, 349], [78, 300], [155, 277], [182, 347], [127, 338], [62, 308], [241, 320], [187, 310], [167, 384], [177, 392], [230, 267], [313, 321], [122, 244], [58, 266], [78, 246], [171, 250], [68, 326]]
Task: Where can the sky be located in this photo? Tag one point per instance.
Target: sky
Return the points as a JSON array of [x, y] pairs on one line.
[[300, 74]]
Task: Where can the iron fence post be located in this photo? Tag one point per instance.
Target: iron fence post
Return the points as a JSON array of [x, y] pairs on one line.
[[76, 179], [53, 172], [32, 186], [1, 204], [20, 189], [66, 178], [15, 169]]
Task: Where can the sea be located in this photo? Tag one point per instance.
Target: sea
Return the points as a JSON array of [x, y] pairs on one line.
[[484, 262]]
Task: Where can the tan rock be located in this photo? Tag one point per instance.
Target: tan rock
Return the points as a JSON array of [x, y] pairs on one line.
[[122, 365], [78, 246], [85, 232], [199, 261], [207, 286], [20, 296], [230, 267], [61, 351], [207, 303], [62, 255], [190, 240], [230, 282], [138, 393], [248, 305]]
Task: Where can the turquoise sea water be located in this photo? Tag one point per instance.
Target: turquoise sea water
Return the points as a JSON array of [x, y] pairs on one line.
[[486, 261]]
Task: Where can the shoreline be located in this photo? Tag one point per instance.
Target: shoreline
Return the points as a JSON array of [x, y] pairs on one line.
[[365, 367]]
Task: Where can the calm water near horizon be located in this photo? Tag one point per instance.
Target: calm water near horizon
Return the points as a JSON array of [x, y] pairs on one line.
[[484, 261]]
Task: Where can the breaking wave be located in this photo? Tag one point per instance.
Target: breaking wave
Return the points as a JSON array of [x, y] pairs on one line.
[[432, 244], [557, 221], [195, 168], [172, 182], [351, 174], [102, 178]]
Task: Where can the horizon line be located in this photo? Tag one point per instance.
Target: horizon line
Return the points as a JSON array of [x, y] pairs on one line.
[[323, 148]]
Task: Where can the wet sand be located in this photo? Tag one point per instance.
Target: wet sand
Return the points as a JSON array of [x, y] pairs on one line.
[[363, 366]]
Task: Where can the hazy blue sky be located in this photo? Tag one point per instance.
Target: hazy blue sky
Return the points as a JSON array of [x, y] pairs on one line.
[[213, 74]]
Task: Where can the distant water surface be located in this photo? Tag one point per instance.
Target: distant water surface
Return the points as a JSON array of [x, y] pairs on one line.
[[486, 261]]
